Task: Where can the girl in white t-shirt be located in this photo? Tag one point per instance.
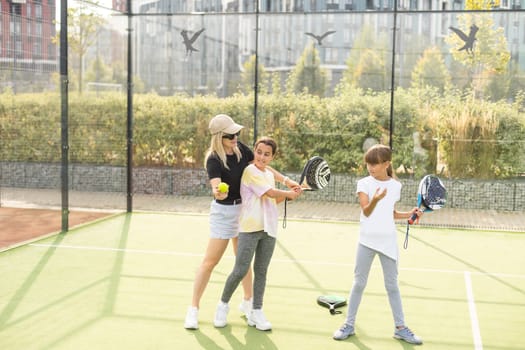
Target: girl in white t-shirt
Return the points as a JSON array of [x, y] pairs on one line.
[[258, 232], [378, 194]]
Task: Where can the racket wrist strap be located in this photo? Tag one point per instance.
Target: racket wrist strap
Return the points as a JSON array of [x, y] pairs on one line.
[[333, 311], [405, 244], [284, 217]]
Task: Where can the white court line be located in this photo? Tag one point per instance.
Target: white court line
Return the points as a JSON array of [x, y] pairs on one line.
[[478, 345], [106, 249], [287, 261]]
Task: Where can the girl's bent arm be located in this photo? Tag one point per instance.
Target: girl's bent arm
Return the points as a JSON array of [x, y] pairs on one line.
[[407, 214], [285, 180], [367, 205], [281, 195]]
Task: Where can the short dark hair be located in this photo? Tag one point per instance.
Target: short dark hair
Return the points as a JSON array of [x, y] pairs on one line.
[[268, 141]]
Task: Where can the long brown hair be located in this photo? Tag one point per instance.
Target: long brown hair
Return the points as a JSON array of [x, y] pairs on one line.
[[379, 154]]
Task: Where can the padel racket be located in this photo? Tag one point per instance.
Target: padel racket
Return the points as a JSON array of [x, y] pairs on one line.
[[315, 176], [431, 195], [331, 302]]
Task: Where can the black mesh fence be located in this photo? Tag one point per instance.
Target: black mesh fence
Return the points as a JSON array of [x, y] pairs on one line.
[[329, 81]]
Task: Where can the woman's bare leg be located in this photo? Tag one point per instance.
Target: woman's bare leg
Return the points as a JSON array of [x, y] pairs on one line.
[[213, 255]]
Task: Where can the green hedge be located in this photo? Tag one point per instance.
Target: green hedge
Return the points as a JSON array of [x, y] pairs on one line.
[[173, 131]]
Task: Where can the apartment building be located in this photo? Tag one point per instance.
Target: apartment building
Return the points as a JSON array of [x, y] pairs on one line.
[[27, 52]]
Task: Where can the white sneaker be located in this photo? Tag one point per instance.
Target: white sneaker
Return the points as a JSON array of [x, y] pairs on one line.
[[246, 307], [192, 318], [221, 315], [258, 320]]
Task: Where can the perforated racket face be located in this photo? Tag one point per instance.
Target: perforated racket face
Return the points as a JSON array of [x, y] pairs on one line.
[[316, 173], [433, 192]]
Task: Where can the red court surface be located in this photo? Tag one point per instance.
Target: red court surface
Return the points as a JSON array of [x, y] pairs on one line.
[[19, 225]]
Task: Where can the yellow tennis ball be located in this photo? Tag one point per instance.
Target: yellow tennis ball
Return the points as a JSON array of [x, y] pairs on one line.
[[223, 187]]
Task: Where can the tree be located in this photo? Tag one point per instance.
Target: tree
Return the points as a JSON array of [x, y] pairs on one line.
[[99, 72], [367, 62], [370, 72], [308, 76], [82, 27], [248, 77], [489, 55], [431, 71]]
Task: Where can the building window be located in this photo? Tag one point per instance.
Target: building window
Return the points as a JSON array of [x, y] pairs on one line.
[[330, 55], [349, 5], [18, 49], [332, 5], [14, 26], [298, 6], [16, 9], [51, 53], [37, 49], [38, 11]]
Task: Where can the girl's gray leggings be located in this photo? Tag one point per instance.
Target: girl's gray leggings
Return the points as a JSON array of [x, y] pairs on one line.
[[250, 243], [363, 262]]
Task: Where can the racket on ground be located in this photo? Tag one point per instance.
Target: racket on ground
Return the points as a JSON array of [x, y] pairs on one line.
[[331, 302], [315, 176], [431, 195]]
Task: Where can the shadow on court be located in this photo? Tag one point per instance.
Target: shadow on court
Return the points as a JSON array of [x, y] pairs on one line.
[[469, 264], [22, 291]]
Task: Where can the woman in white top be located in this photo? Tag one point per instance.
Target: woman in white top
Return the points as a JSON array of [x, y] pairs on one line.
[[378, 194]]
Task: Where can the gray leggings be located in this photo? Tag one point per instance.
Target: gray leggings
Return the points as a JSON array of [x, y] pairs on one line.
[[260, 244], [363, 263]]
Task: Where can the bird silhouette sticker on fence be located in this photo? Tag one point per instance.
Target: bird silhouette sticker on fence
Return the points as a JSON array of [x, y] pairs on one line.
[[188, 42], [320, 38], [467, 39]]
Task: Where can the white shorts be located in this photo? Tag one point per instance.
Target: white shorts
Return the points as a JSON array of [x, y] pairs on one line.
[[224, 220]]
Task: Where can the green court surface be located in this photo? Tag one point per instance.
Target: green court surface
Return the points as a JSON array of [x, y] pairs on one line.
[[125, 283]]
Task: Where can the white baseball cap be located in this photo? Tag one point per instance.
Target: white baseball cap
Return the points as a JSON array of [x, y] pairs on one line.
[[223, 122]]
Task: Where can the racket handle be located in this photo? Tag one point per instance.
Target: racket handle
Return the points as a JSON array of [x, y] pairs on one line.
[[412, 219]]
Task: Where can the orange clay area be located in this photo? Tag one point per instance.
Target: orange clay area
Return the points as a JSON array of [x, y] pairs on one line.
[[18, 225]]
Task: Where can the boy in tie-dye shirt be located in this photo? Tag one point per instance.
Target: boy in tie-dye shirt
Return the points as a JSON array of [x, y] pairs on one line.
[[258, 226]]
